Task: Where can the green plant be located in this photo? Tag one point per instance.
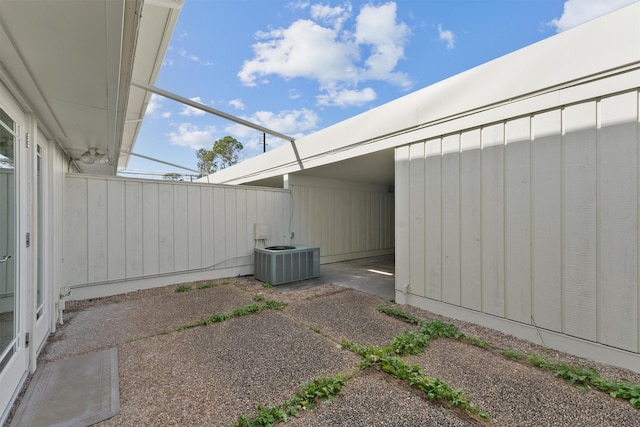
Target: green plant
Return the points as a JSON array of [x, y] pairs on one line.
[[396, 312], [581, 377], [275, 305], [438, 329], [433, 388], [409, 342], [312, 392], [183, 288], [207, 285], [478, 342], [237, 312], [259, 297], [511, 354], [267, 285]]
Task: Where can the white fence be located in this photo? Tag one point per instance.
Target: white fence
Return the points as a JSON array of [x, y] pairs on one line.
[[124, 234]]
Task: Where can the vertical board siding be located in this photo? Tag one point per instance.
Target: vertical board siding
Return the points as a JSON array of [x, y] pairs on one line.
[[166, 246], [97, 247], [180, 228], [151, 243], [534, 219], [403, 233], [433, 218], [579, 158], [115, 225], [342, 218], [470, 220], [546, 214], [76, 235], [417, 224], [133, 226], [118, 229], [194, 226], [618, 230], [492, 219], [450, 233], [517, 217]]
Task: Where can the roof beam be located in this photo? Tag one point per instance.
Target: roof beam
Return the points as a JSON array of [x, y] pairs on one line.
[[209, 110]]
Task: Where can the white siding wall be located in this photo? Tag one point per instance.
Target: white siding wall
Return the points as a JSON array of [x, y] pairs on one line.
[[123, 234], [532, 219], [347, 220], [58, 163]]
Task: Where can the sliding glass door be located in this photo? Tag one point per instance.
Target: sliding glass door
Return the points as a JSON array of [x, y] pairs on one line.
[[8, 284]]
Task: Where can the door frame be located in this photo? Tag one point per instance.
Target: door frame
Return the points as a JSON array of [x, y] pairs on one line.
[[41, 326], [17, 368]]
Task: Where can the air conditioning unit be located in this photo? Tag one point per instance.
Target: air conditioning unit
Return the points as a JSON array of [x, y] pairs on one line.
[[284, 264]]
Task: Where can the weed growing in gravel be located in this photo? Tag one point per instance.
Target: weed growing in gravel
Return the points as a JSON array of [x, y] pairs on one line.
[[267, 285], [312, 392], [402, 315], [435, 328], [512, 354], [581, 376], [409, 342], [478, 342], [207, 285], [433, 388], [183, 288], [237, 312]]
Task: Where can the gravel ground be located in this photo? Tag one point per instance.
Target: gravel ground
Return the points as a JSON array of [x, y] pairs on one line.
[[210, 375]]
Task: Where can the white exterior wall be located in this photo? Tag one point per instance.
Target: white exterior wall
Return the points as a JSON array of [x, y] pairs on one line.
[[124, 234], [530, 222], [347, 220], [57, 163]]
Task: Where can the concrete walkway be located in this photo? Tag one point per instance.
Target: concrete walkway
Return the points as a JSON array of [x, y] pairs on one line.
[[375, 275]]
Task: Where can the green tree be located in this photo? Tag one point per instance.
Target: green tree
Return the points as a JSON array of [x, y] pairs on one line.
[[172, 176], [223, 154]]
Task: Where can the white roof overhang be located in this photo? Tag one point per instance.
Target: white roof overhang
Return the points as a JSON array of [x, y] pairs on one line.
[[72, 63]]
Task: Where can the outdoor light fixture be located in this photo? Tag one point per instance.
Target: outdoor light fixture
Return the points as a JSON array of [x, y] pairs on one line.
[[91, 156]]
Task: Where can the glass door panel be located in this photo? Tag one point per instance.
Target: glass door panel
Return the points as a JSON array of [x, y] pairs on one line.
[[8, 291]]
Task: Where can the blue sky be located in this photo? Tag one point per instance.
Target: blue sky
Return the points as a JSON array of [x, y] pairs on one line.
[[299, 66]]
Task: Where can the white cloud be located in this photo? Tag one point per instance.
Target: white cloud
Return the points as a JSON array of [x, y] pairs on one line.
[[155, 103], [154, 107], [347, 97], [289, 122], [298, 5], [578, 12], [190, 111], [189, 135], [305, 49], [188, 56], [338, 59], [447, 36], [334, 16], [237, 104], [377, 27], [294, 94]]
